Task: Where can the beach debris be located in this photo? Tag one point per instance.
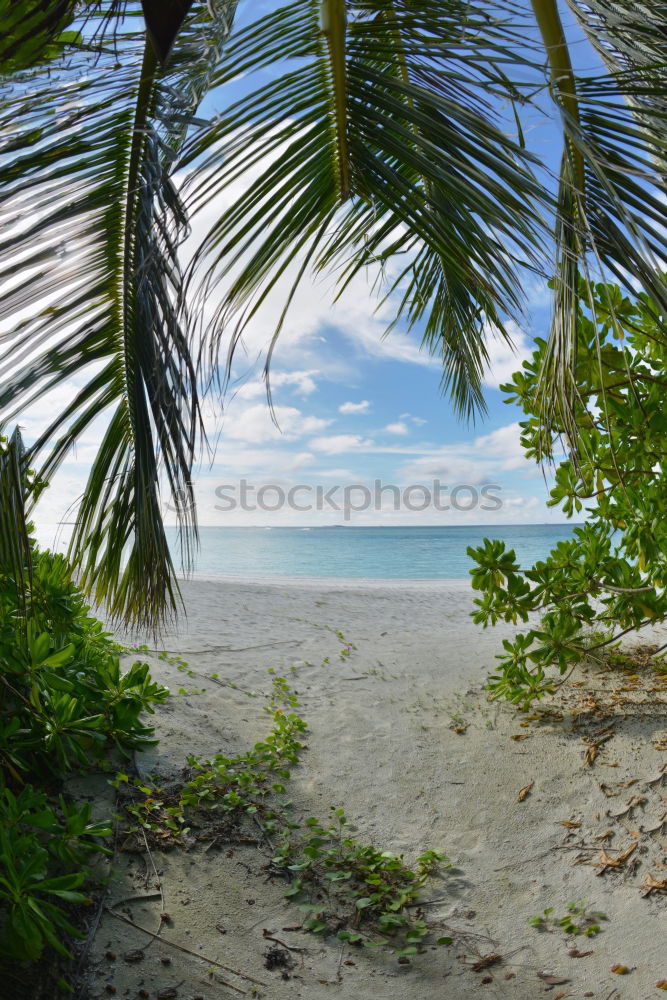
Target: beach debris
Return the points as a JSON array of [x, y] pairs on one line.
[[269, 936], [634, 802], [169, 992], [651, 884], [524, 792], [620, 970], [552, 979], [135, 955], [661, 984], [658, 778], [485, 961], [575, 953], [458, 724], [593, 744], [277, 958], [607, 863], [660, 825], [110, 955], [188, 951], [569, 824]]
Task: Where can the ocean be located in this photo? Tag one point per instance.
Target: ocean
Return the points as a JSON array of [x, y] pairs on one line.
[[377, 553], [415, 553]]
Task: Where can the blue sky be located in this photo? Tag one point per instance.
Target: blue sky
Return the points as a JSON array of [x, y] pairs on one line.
[[351, 407]]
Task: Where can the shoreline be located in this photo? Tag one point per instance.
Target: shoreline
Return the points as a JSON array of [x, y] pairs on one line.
[[331, 582]]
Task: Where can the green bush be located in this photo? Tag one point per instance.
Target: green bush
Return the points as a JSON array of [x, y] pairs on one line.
[[64, 698], [609, 579], [64, 704]]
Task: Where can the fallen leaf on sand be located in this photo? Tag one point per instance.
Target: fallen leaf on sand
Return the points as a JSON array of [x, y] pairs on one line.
[[659, 777], [485, 961], [593, 745], [651, 884], [634, 802], [606, 862], [135, 955], [607, 835], [661, 984], [568, 823], [620, 970], [524, 792], [520, 736], [548, 977], [660, 825]]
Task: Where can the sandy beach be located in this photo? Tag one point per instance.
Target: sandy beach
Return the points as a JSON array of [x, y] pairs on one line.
[[403, 737]]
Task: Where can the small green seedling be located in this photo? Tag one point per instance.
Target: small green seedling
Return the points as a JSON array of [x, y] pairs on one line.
[[577, 920]]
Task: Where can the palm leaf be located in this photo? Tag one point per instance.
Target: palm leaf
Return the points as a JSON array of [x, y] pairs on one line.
[[34, 31], [613, 184], [15, 550], [382, 150], [92, 225]]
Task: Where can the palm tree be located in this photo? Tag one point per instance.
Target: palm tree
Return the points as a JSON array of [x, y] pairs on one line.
[[376, 135]]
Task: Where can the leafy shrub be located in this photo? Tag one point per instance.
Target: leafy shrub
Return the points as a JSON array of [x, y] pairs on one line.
[[610, 577], [64, 703], [38, 838], [64, 698]]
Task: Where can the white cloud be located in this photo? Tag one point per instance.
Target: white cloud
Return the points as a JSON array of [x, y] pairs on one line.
[[505, 444], [302, 382], [337, 444], [255, 424], [481, 460], [344, 475], [398, 428], [361, 407], [505, 359], [419, 421]]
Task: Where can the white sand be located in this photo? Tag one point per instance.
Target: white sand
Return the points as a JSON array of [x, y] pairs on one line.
[[382, 745]]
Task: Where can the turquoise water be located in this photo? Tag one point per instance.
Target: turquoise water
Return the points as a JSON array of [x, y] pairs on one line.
[[419, 553]]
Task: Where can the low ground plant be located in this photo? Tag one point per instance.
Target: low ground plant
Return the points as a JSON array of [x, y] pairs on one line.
[[366, 895], [577, 919]]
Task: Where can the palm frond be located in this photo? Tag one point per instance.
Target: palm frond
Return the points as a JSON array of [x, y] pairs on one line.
[[89, 260], [33, 31], [613, 185], [15, 551], [378, 148]]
